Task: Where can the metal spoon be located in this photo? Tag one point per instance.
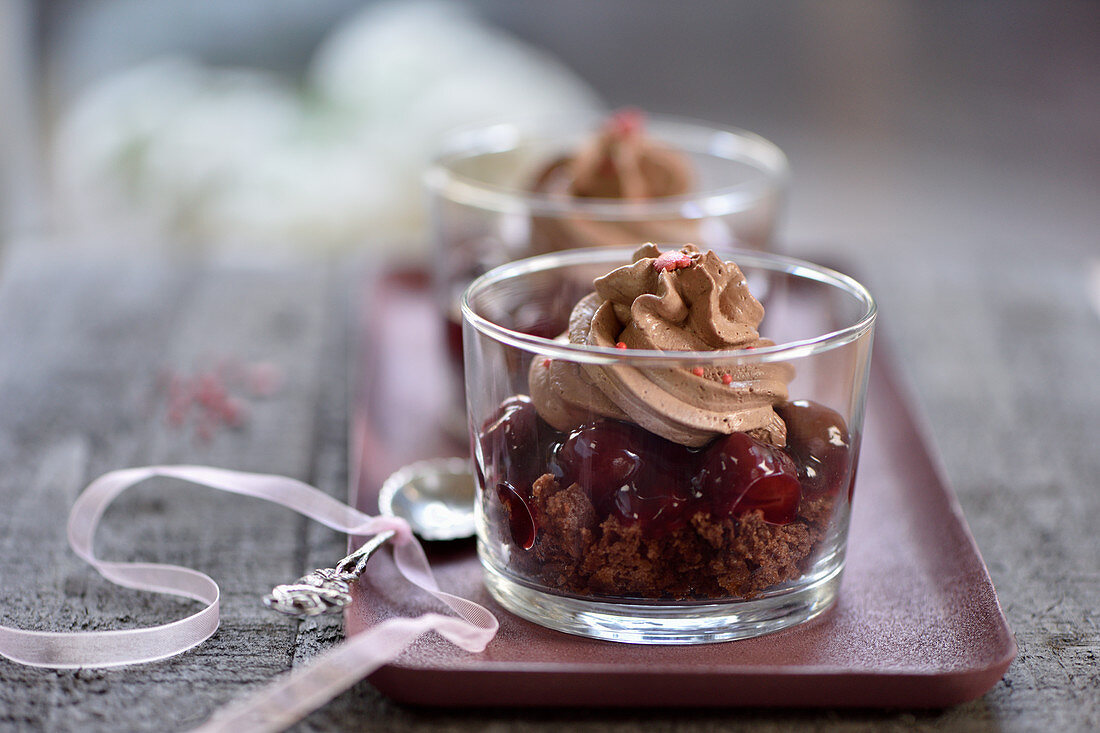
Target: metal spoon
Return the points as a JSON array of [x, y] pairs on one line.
[[436, 498]]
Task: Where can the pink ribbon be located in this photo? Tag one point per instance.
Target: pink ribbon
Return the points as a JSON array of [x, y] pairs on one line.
[[291, 696]]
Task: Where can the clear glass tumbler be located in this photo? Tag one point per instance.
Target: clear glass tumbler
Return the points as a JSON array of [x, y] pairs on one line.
[[626, 528], [484, 211]]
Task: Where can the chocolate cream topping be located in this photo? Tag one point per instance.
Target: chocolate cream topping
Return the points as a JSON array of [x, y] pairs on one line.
[[620, 162], [676, 301]]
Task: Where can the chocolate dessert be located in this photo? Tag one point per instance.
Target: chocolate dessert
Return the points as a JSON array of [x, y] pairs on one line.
[[666, 483], [622, 163]]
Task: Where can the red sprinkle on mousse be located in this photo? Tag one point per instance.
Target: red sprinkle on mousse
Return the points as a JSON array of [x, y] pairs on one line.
[[626, 122], [671, 261], [726, 379], [620, 345], [697, 371]]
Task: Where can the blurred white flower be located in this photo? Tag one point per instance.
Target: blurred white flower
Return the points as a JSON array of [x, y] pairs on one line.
[[242, 156]]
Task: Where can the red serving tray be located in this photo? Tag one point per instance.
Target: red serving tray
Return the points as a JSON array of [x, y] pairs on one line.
[[917, 624]]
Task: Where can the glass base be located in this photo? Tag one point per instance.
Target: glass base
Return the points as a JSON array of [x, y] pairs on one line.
[[638, 623]]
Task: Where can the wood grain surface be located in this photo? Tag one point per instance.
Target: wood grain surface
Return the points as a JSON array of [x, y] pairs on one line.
[[86, 341], [949, 154]]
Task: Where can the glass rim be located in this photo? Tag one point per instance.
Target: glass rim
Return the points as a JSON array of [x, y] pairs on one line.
[[731, 143], [788, 350]]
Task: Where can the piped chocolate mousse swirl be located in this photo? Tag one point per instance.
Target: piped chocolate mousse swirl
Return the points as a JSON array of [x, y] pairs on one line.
[[620, 162], [683, 300]]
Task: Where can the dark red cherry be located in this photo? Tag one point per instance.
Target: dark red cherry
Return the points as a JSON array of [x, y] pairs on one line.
[[510, 443], [453, 332], [777, 497], [602, 457], [819, 443], [521, 522], [631, 474], [741, 474], [661, 498], [513, 422]]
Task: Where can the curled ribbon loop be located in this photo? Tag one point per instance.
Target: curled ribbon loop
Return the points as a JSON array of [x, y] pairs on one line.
[[293, 695]]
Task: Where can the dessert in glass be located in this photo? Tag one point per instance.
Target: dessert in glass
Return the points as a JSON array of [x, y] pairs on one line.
[[511, 190], [670, 466]]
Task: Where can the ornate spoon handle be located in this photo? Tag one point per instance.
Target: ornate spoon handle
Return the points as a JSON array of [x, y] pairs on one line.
[[325, 590]]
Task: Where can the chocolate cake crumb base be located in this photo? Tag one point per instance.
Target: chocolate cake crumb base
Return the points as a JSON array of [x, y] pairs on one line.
[[707, 558]]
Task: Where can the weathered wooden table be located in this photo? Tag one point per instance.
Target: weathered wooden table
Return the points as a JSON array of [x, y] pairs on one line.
[[948, 155], [1007, 373]]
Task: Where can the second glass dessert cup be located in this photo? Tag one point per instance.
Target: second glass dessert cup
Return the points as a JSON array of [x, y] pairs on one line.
[[487, 207], [493, 197], [618, 523]]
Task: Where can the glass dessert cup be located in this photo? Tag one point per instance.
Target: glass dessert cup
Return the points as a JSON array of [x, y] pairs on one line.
[[629, 522]]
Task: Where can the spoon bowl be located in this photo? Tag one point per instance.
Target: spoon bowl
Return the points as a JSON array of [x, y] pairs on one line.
[[436, 497]]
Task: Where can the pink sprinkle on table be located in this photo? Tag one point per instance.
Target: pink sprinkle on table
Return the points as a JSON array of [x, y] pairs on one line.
[[262, 379], [207, 401]]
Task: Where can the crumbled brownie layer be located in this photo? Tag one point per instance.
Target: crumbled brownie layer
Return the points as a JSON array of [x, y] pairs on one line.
[[706, 558]]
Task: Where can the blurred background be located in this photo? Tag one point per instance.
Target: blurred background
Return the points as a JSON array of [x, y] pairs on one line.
[[303, 125]]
